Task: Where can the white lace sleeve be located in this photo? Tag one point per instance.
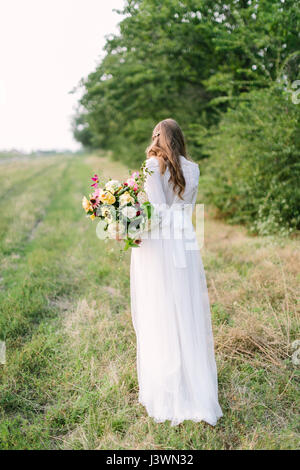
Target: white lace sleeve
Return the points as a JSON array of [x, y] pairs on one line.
[[161, 217], [153, 183], [197, 174]]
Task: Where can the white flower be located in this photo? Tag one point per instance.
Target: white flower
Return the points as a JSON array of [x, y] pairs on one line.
[[131, 182], [142, 197], [152, 223], [114, 228], [112, 186], [129, 212], [106, 212], [126, 198], [134, 232]]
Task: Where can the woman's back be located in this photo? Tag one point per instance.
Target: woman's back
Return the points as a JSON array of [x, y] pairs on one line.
[[191, 176]]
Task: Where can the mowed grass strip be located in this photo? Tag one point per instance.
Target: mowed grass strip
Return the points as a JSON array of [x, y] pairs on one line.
[[15, 176], [26, 202], [70, 378], [38, 275]]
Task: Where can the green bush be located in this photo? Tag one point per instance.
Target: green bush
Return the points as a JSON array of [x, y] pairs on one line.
[[253, 173]]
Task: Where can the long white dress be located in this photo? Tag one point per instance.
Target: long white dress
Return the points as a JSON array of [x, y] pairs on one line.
[[170, 310]]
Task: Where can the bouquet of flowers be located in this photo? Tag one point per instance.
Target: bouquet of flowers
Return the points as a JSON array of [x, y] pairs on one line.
[[123, 208]]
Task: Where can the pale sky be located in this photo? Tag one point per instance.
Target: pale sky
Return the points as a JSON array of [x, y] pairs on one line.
[[46, 47]]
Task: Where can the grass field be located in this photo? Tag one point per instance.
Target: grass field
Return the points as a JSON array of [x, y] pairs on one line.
[[70, 382]]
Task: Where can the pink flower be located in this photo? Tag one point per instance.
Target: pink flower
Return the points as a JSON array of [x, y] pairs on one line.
[[95, 198], [95, 201], [135, 187], [135, 174], [96, 193], [131, 182], [95, 185], [95, 178]]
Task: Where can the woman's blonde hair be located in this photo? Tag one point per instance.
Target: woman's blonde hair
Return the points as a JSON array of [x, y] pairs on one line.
[[167, 145]]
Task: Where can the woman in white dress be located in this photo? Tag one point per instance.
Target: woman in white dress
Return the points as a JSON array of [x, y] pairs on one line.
[[169, 301]]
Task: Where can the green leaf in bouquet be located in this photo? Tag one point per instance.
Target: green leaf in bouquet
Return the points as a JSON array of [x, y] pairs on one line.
[[129, 243], [148, 208]]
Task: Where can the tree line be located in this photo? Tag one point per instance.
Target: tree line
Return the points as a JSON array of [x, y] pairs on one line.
[[224, 70]]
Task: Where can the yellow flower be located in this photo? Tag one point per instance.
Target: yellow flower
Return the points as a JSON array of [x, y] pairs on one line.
[[125, 198], [107, 197], [86, 204], [92, 216]]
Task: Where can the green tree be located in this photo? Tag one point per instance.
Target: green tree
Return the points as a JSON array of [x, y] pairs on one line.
[[203, 63]]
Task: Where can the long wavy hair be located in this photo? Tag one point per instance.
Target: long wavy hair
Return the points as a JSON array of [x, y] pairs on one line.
[[167, 145]]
